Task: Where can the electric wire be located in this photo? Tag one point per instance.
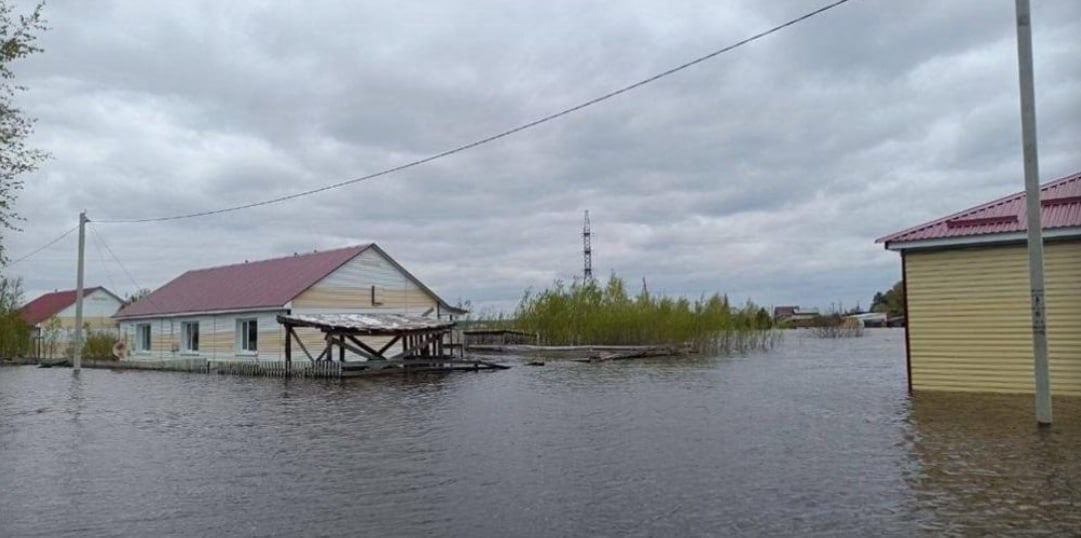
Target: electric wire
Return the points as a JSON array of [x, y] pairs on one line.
[[101, 258], [492, 138], [115, 258], [43, 247]]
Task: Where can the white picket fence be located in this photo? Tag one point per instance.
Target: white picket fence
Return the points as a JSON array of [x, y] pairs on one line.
[[322, 369], [200, 366]]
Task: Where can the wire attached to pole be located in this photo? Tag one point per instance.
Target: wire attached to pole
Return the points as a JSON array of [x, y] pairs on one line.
[[492, 138]]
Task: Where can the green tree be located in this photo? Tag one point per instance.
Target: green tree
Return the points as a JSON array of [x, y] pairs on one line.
[[17, 36], [14, 332], [892, 302]]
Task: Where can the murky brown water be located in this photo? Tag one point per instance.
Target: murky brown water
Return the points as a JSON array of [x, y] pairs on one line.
[[815, 438]]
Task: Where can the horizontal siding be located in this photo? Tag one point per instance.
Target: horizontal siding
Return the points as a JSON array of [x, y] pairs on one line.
[[95, 323], [97, 304], [349, 289], [970, 326], [217, 337]]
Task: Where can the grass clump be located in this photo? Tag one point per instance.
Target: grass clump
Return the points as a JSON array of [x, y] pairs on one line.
[[587, 313], [836, 326]]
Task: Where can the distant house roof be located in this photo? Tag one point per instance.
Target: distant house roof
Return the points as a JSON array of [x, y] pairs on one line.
[[254, 285], [782, 311], [1060, 202], [51, 304]]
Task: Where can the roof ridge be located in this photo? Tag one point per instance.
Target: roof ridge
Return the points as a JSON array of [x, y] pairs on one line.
[[359, 247], [269, 282], [1055, 183], [72, 290]]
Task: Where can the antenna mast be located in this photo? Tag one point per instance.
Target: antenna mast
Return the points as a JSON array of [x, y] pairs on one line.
[[587, 251]]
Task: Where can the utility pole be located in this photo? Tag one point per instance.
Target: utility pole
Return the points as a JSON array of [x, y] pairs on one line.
[[78, 355], [1033, 207], [587, 251]]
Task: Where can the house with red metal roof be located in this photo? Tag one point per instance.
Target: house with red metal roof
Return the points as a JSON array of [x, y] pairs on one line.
[[51, 317], [230, 312], [967, 295]]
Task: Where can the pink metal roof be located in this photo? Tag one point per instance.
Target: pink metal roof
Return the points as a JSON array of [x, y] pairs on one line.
[[49, 305], [1060, 201], [243, 286]]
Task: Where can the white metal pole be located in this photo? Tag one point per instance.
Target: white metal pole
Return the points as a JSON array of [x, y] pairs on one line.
[[1033, 207], [78, 355]]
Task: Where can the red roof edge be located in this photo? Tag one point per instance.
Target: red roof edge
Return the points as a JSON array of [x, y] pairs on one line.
[[958, 216], [51, 304]]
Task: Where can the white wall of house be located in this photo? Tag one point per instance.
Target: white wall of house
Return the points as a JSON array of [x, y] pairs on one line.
[[98, 309], [218, 337], [98, 304]]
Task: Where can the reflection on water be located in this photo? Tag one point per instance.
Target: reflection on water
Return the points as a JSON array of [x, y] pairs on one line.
[[815, 438], [984, 468]]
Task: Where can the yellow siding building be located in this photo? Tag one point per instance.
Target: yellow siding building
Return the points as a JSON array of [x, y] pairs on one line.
[[967, 294]]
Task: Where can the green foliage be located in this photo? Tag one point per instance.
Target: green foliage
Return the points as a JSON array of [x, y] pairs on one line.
[[51, 332], [17, 37], [892, 302], [99, 345], [586, 313], [14, 332], [14, 335]]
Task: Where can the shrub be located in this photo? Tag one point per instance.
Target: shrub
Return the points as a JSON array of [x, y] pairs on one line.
[[587, 313], [99, 346], [836, 326], [14, 334]]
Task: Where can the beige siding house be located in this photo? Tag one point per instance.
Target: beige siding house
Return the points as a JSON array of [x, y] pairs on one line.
[[968, 301], [230, 312], [51, 317]]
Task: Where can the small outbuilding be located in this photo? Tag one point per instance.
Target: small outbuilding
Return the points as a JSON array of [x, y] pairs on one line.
[[967, 295]]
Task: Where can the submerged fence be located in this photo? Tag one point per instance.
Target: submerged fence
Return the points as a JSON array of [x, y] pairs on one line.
[[322, 369]]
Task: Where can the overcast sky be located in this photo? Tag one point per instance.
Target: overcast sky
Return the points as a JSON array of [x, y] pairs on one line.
[[766, 173]]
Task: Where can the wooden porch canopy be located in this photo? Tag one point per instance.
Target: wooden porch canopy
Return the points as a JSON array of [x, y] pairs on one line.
[[419, 336]]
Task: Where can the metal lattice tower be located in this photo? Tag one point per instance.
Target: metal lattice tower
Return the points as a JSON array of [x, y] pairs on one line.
[[587, 250]]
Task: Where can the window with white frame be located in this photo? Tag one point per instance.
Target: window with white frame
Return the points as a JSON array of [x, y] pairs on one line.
[[247, 336], [142, 338], [189, 331]]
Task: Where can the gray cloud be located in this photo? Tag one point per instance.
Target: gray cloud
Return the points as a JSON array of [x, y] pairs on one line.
[[766, 173]]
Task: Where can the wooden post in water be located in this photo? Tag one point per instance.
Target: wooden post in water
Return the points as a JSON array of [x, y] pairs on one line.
[[78, 352], [288, 351]]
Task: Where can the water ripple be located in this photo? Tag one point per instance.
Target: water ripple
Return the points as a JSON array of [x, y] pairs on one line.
[[816, 438]]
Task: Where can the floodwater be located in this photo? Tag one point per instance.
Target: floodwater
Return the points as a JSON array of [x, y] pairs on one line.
[[817, 437]]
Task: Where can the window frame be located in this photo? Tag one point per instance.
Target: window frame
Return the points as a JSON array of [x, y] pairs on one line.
[[185, 337], [141, 330], [244, 344]]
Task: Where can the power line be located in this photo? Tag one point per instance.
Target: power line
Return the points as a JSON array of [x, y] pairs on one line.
[[497, 136], [101, 258], [117, 260], [43, 247], [138, 288]]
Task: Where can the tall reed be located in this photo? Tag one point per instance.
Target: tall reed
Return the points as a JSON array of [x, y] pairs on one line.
[[587, 313]]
